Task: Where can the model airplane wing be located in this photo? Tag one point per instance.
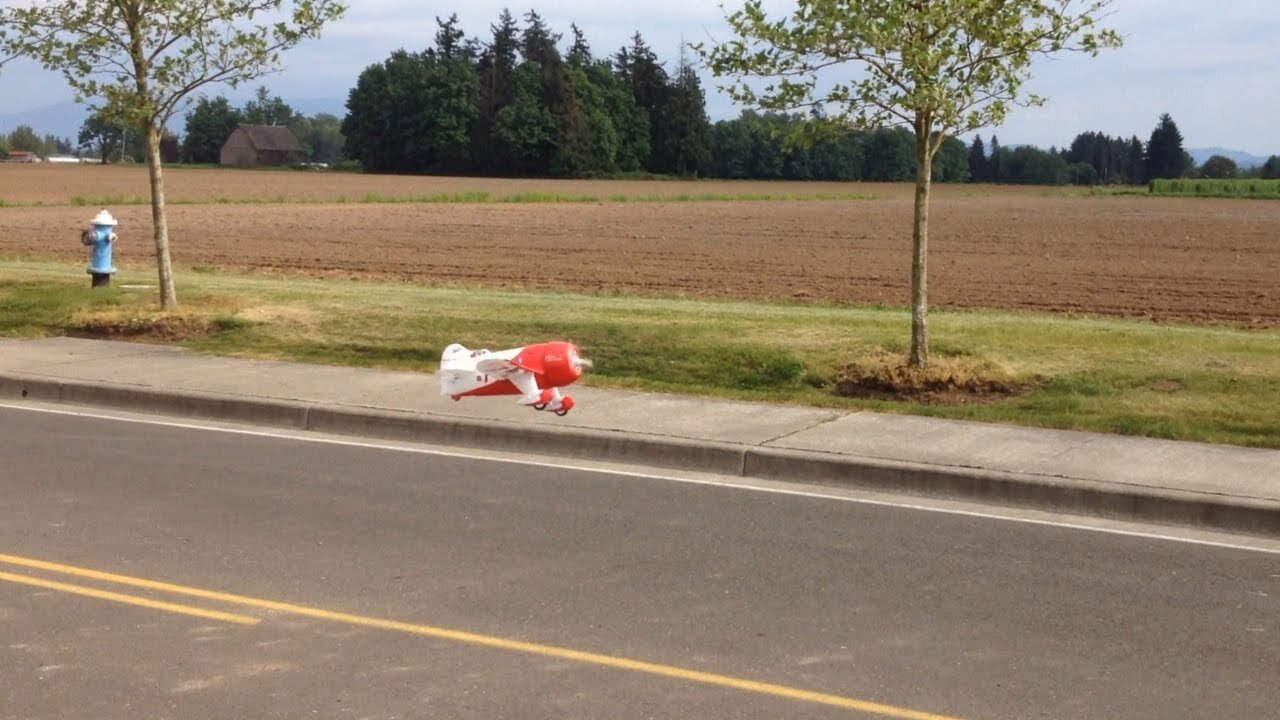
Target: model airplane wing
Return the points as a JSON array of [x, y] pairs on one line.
[[496, 366]]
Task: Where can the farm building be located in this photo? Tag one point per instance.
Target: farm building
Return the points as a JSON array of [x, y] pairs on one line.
[[23, 156], [251, 145]]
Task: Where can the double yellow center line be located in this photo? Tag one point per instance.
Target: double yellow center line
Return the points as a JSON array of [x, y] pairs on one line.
[[460, 636], [128, 599]]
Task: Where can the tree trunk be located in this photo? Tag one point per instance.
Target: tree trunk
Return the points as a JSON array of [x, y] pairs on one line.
[[920, 251], [168, 296]]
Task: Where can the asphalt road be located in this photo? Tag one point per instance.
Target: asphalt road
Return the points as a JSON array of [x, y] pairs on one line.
[[150, 571]]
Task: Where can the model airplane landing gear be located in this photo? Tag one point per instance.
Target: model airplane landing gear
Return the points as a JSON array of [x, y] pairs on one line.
[[565, 406], [544, 399], [552, 400]]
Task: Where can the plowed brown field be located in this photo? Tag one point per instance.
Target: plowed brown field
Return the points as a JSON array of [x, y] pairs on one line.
[[1199, 260]]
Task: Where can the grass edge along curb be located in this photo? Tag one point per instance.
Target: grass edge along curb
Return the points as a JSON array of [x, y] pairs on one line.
[[1182, 382]]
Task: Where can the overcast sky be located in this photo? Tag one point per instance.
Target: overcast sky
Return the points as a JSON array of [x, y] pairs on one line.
[[1214, 66]]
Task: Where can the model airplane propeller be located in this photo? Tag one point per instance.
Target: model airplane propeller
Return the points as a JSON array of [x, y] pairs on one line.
[[534, 372]]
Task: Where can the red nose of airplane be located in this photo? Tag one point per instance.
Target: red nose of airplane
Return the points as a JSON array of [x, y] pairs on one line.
[[556, 363]]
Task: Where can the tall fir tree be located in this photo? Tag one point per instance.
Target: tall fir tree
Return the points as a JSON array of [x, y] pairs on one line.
[[688, 143], [496, 67], [1165, 156], [995, 173], [977, 160], [651, 89]]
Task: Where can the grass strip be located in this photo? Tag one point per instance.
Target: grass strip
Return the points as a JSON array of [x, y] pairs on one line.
[[1211, 384]]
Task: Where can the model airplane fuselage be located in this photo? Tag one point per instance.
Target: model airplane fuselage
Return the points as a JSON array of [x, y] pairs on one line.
[[534, 372]]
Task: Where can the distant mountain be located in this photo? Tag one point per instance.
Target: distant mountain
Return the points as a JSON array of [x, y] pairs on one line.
[[1241, 158], [64, 119]]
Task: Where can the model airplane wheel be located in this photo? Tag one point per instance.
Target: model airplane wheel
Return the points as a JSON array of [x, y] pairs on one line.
[[539, 406], [562, 412]]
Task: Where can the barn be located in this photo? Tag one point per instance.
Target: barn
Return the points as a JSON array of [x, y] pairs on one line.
[[251, 145]]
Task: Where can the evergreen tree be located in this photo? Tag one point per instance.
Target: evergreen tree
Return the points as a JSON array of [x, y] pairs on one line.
[[977, 160], [449, 38], [496, 67], [1135, 162], [538, 43], [994, 173], [579, 51], [208, 126], [651, 89], [688, 142], [1165, 156]]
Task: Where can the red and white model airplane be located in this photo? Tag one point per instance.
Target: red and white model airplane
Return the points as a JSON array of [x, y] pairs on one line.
[[534, 372]]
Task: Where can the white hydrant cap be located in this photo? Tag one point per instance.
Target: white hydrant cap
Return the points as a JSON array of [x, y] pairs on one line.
[[104, 218]]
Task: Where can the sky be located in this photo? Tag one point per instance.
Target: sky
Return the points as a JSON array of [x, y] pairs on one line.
[[1213, 66]]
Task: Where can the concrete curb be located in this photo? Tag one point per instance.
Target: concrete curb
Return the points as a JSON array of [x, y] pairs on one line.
[[1058, 494]]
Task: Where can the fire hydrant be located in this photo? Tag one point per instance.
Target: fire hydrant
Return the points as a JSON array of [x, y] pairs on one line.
[[100, 236]]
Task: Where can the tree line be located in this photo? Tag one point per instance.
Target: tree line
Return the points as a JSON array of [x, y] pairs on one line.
[[1095, 158], [514, 105], [24, 138]]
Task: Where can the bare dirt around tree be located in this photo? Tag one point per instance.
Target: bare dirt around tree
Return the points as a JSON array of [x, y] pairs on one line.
[[1167, 259]]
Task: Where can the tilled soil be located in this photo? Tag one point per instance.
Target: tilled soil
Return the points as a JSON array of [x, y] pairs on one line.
[[1197, 260]]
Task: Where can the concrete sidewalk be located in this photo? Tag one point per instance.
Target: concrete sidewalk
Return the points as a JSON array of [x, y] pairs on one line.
[[1227, 488]]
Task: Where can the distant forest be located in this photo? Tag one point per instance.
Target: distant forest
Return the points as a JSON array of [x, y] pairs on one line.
[[515, 105]]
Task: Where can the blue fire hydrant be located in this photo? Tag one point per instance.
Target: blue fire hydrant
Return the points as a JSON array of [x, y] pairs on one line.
[[101, 236]]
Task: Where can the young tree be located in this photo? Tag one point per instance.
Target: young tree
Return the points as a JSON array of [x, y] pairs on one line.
[[142, 58], [939, 67]]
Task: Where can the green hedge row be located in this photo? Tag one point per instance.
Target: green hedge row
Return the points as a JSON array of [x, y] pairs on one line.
[[1217, 188]]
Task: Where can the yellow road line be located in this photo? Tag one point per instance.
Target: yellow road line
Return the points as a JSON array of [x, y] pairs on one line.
[[129, 599], [591, 658]]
